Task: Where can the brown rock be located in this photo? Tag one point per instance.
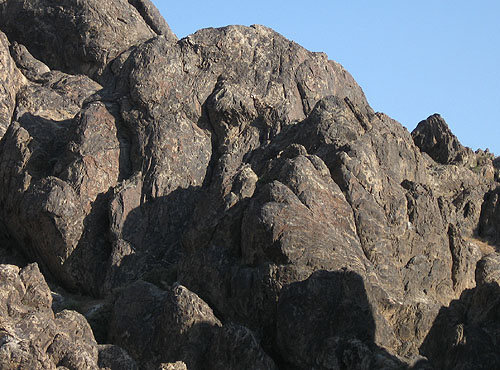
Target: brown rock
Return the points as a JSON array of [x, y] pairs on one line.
[[159, 326], [31, 336], [434, 137], [466, 334], [241, 165], [74, 37], [11, 80]]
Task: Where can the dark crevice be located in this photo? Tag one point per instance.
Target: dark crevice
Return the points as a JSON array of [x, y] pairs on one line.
[[303, 99]]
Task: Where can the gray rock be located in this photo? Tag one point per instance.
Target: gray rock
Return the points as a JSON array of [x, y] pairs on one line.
[[326, 322], [113, 357], [67, 168], [179, 365], [377, 217], [80, 37], [490, 216], [32, 337], [153, 18], [241, 165], [466, 334], [11, 80], [434, 137], [32, 68], [158, 327]]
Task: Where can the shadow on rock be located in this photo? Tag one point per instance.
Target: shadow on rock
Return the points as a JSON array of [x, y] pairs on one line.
[[490, 217], [160, 326], [466, 335], [326, 322], [147, 235]]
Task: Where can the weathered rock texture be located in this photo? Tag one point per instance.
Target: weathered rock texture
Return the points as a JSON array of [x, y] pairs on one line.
[[32, 337], [465, 335], [434, 137], [80, 37], [164, 326], [230, 200]]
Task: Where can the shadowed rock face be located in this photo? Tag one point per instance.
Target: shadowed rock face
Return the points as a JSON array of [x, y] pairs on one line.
[[229, 200], [434, 137], [465, 335], [326, 322], [158, 326]]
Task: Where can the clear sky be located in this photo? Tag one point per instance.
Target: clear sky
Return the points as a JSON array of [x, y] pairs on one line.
[[412, 58]]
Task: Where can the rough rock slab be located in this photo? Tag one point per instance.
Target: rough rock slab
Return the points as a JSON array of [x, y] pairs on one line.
[[159, 327], [32, 337], [75, 37], [242, 165], [11, 80]]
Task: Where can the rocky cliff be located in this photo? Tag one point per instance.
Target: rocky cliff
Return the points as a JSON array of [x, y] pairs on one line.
[[227, 201]]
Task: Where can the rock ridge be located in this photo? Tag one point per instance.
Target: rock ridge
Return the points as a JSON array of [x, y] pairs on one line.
[[227, 200]]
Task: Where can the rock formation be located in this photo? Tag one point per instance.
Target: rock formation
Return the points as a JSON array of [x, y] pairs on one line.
[[227, 200]]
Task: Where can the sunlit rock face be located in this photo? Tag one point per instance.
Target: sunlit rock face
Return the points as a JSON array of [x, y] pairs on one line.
[[227, 200]]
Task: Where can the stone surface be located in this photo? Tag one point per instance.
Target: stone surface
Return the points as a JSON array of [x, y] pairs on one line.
[[159, 327], [30, 67], [212, 197], [434, 137], [11, 80], [465, 335], [490, 216], [153, 18], [179, 365], [61, 162], [113, 357], [32, 337], [326, 322], [90, 33]]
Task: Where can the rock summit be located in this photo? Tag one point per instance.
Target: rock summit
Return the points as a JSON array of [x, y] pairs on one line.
[[228, 200]]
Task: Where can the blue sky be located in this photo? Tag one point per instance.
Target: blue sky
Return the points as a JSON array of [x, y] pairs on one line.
[[411, 58]]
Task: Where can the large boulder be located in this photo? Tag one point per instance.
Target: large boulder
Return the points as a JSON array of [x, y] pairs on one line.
[[159, 327], [31, 336], [80, 37]]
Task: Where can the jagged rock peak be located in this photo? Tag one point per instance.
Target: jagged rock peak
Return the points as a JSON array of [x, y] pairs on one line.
[[434, 137]]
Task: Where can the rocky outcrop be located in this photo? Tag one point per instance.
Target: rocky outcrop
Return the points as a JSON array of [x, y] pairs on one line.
[[153, 18], [490, 216], [91, 33], [465, 335], [434, 137], [326, 322], [158, 326], [216, 195], [48, 147], [32, 337], [11, 80]]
